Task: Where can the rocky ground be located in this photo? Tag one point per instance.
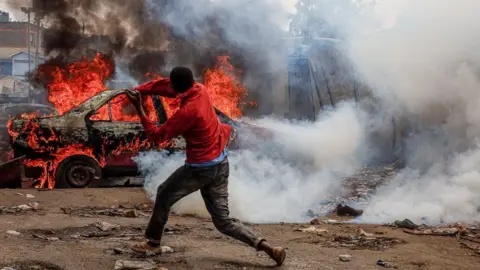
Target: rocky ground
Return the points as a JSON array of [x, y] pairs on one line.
[[93, 228]]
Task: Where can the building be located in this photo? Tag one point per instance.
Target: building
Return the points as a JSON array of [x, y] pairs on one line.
[[15, 42]]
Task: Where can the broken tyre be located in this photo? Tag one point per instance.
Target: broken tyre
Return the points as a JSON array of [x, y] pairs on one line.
[[78, 172]]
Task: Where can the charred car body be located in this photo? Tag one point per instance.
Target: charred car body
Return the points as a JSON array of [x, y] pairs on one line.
[[79, 149]]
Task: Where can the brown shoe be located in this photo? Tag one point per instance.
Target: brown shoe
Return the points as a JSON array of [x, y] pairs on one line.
[[145, 247], [278, 255]]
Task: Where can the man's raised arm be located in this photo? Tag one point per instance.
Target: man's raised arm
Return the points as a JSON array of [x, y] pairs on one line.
[[161, 87]]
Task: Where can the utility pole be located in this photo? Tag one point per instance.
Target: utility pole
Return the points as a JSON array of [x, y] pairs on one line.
[[28, 10], [38, 19]]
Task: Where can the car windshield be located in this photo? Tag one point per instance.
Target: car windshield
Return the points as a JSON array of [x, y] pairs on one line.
[[91, 103]]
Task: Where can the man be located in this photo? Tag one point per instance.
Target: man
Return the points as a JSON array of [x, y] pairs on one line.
[[206, 167]]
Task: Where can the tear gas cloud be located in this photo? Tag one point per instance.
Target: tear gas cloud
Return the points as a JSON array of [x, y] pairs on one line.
[[425, 67], [421, 60], [281, 179]]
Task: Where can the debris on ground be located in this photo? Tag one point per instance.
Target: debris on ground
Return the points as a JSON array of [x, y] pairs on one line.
[[19, 209], [344, 210], [138, 211], [43, 237], [105, 226], [361, 232], [12, 232], [441, 230], [354, 242], [313, 230], [386, 264], [405, 224], [317, 221], [345, 258], [30, 265], [357, 188], [30, 196], [91, 231], [134, 265]]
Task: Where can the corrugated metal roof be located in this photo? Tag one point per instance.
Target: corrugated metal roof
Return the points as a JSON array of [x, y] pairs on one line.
[[7, 52]]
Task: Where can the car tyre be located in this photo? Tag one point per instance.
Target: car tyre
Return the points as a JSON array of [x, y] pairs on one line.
[[78, 171]]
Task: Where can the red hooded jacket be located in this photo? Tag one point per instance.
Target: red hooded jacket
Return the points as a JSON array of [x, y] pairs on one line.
[[195, 120]]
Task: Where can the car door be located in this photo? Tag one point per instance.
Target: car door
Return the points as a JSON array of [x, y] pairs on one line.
[[116, 133]]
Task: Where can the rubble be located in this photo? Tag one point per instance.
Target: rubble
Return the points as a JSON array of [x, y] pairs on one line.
[[43, 237], [105, 226], [345, 258], [133, 265], [12, 232], [405, 224], [355, 242], [357, 188], [361, 232], [113, 211], [313, 230], [343, 210], [386, 264], [19, 209]]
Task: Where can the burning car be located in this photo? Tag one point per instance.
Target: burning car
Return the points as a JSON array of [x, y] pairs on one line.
[[94, 135], [7, 111], [88, 144]]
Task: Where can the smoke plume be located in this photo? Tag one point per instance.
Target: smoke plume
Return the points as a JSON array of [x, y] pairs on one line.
[[426, 69], [423, 67], [280, 179]]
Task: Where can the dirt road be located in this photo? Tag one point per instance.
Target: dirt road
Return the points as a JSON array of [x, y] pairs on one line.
[[70, 238]]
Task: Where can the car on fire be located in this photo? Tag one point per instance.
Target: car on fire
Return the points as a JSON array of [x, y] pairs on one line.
[[10, 110], [89, 146]]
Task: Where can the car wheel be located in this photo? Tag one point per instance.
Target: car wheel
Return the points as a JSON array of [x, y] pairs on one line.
[[78, 171]]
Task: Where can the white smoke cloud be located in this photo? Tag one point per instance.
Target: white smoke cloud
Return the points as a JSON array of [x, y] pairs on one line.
[[425, 67], [421, 60], [281, 179]]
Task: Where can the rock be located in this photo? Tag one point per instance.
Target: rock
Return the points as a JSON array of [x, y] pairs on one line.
[[30, 196], [23, 207], [131, 213], [331, 221], [315, 221], [167, 249], [345, 258], [344, 210], [361, 232], [34, 205], [119, 250], [314, 230], [405, 224], [386, 264], [12, 232], [134, 265], [105, 226]]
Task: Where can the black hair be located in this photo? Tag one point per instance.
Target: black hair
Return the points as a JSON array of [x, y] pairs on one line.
[[181, 79]]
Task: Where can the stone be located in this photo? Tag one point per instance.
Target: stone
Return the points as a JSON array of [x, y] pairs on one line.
[[105, 226], [134, 265], [345, 258], [314, 230], [12, 232]]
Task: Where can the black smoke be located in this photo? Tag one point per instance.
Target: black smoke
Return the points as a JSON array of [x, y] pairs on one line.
[[155, 35]]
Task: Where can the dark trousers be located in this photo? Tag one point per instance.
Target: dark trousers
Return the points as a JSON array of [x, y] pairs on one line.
[[213, 184]]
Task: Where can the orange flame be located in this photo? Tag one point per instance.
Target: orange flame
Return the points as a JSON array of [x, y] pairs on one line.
[[225, 89], [68, 87]]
